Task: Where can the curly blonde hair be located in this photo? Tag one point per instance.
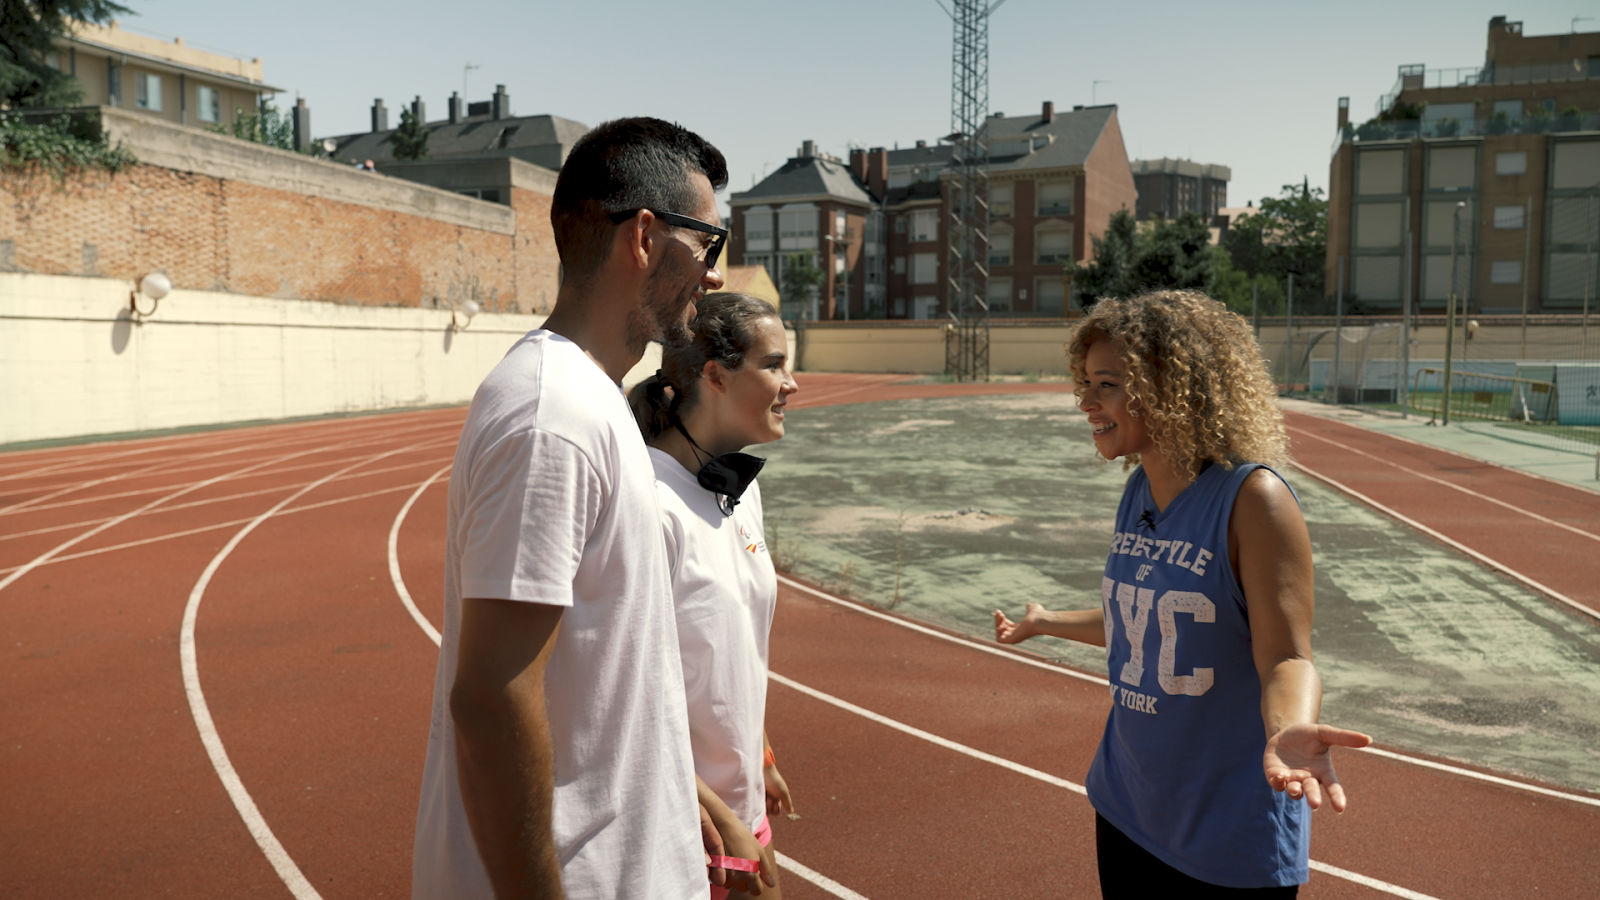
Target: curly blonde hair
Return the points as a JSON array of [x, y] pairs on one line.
[[1194, 374]]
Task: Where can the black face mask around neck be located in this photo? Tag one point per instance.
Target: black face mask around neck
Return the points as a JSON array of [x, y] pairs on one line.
[[727, 475]]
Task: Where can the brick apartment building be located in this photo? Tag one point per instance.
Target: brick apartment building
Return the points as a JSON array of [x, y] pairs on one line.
[[814, 206], [1514, 145], [1054, 180], [1168, 188]]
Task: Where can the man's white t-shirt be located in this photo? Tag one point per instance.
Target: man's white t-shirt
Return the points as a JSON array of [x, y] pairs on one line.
[[552, 500], [725, 591]]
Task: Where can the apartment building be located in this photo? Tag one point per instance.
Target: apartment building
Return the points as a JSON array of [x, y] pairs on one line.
[[166, 79], [816, 208], [1497, 165], [1168, 188]]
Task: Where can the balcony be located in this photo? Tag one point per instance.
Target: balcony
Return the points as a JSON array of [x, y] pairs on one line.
[[1489, 126], [1000, 259], [1419, 78], [1056, 209]]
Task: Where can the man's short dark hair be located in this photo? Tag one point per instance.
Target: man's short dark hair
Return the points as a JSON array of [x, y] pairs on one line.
[[620, 165]]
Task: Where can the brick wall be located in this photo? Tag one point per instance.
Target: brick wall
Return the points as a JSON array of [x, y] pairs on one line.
[[220, 214]]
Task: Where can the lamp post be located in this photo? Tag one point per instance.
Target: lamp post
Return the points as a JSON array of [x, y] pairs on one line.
[[1450, 308]]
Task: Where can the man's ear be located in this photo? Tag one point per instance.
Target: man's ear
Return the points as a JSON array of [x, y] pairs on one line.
[[714, 376], [633, 241]]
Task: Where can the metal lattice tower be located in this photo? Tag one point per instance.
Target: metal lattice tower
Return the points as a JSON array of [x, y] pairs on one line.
[[967, 337]]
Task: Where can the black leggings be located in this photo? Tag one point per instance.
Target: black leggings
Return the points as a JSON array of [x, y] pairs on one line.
[[1127, 870]]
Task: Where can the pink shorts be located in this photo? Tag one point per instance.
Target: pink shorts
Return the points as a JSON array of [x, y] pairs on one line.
[[763, 834]]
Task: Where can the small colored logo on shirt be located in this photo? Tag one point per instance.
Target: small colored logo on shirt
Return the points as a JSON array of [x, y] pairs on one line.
[[751, 545]]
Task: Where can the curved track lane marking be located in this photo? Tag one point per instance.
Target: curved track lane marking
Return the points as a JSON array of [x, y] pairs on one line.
[[45, 557], [1468, 491], [209, 501], [394, 560], [1062, 670], [1047, 778], [804, 872], [204, 528], [1498, 566], [290, 873]]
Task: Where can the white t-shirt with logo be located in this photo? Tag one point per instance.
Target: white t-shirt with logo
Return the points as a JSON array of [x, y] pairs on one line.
[[552, 500], [725, 591]]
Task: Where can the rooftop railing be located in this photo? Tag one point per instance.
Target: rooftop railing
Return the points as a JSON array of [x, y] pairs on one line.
[[1411, 129], [1417, 78]]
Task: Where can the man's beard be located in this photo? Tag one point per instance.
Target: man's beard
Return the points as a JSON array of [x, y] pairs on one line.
[[659, 316]]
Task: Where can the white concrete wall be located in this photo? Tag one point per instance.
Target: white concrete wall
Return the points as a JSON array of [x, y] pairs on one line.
[[73, 362]]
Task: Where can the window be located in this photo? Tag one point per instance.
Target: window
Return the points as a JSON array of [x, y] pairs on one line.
[[797, 227], [208, 107], [1378, 224], [1569, 275], [1457, 111], [1570, 221], [147, 90], [1055, 198], [925, 306], [899, 265], [1452, 168], [925, 268], [1380, 172], [1436, 276], [1376, 278], [1000, 201], [925, 225], [899, 224], [1000, 249], [899, 180], [763, 261], [1576, 164], [1508, 271], [1512, 108], [1051, 296], [838, 225], [1508, 216], [899, 308], [1054, 246], [758, 228], [1514, 163], [1439, 224], [999, 295]]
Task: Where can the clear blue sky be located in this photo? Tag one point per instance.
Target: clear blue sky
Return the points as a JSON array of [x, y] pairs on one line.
[[1250, 85]]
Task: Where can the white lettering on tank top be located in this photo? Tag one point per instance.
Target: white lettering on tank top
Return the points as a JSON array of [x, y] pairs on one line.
[[1133, 608], [1203, 610], [1134, 625]]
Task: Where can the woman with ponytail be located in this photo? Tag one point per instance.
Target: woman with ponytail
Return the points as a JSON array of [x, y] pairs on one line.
[[719, 390]]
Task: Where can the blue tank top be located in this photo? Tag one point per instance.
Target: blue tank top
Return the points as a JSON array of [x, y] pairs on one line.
[[1179, 768]]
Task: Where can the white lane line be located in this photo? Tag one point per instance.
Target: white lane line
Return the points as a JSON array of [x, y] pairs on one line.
[[1387, 754], [1047, 778], [214, 527], [928, 736], [931, 632], [806, 873], [394, 560], [1498, 566], [242, 801], [1468, 491], [818, 879], [1368, 881], [189, 465], [212, 501]]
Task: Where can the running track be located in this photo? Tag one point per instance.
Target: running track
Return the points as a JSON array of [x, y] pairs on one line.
[[213, 687]]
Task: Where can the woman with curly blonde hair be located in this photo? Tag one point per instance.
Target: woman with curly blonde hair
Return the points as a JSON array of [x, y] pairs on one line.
[[1212, 752]]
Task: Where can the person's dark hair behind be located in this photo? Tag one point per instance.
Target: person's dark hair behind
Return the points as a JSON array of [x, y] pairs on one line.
[[722, 330], [625, 164]]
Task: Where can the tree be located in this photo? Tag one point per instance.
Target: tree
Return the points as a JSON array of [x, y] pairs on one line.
[[28, 31], [1173, 254], [1176, 253], [1288, 235], [266, 126], [801, 278], [1239, 291], [410, 140], [1111, 271]]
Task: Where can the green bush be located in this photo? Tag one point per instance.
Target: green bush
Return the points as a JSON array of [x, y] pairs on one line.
[[60, 145]]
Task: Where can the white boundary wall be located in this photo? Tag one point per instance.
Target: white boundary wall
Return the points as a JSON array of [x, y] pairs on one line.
[[73, 362]]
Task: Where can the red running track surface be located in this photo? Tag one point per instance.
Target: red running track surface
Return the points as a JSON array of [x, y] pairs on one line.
[[319, 686]]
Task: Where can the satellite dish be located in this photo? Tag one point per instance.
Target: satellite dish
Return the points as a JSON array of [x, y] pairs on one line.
[[329, 145]]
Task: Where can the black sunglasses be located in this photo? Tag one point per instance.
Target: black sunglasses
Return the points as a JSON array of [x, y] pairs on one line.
[[718, 233]]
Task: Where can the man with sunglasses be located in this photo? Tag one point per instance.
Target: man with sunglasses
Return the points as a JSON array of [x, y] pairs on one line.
[[558, 755]]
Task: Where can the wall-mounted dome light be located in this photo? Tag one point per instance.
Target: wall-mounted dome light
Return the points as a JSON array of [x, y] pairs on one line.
[[153, 286], [469, 309]]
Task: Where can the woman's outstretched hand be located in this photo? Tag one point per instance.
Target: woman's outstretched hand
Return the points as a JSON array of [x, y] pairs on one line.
[[1009, 632], [1297, 760]]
